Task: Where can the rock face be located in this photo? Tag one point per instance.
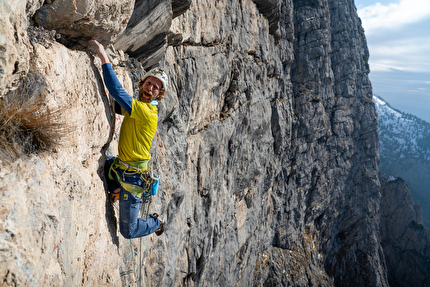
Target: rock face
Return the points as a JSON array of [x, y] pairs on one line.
[[146, 35], [79, 21], [14, 45], [267, 147], [406, 242]]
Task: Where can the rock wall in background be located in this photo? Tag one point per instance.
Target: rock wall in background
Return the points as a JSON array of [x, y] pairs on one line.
[[405, 240], [267, 147]]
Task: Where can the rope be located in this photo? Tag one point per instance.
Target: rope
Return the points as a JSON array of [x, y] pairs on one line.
[[132, 259], [146, 201], [138, 279], [140, 262]]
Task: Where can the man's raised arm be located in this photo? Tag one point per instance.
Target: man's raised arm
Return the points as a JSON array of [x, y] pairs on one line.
[[111, 81]]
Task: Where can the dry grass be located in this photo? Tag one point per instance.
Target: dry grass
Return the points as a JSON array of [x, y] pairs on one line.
[[28, 125]]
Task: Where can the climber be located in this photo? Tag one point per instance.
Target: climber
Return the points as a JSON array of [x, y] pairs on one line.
[[130, 170]]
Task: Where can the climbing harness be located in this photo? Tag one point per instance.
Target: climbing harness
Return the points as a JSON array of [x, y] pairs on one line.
[[150, 179]]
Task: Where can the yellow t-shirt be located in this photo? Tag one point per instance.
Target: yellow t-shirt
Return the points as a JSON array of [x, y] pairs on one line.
[[137, 132]]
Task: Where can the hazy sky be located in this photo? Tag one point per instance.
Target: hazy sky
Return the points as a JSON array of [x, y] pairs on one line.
[[398, 37]]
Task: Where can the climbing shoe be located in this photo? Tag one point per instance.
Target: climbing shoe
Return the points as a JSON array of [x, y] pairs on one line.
[[160, 230]]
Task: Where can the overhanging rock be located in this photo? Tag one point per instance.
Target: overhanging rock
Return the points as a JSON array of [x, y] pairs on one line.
[[145, 37], [81, 20], [270, 9]]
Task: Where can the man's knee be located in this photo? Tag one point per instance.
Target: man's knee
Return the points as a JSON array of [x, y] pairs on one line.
[[126, 232]]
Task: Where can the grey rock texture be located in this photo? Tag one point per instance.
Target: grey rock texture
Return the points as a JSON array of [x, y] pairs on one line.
[[267, 147], [79, 21], [14, 51], [415, 172], [56, 229], [406, 242], [270, 10], [145, 37], [180, 7]]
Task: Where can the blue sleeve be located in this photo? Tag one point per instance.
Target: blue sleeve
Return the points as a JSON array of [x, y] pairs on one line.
[[115, 89]]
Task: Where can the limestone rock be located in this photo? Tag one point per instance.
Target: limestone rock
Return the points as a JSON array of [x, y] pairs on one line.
[[270, 10], [180, 6], [415, 172], [257, 115], [33, 6], [146, 35], [78, 21], [405, 239], [64, 212], [14, 45]]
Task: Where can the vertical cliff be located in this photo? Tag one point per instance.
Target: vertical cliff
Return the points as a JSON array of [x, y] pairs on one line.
[[405, 240], [267, 145]]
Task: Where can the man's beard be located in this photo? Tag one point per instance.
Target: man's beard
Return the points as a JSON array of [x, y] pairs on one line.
[[142, 98]]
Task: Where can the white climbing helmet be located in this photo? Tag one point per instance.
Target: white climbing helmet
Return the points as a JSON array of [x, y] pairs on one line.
[[159, 74]]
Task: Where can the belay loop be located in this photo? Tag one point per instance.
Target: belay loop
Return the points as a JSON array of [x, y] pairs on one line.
[[150, 179]]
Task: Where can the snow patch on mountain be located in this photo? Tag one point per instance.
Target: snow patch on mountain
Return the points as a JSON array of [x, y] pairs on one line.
[[401, 134]]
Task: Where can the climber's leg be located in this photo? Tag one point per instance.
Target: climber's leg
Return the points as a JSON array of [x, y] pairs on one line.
[[130, 225]]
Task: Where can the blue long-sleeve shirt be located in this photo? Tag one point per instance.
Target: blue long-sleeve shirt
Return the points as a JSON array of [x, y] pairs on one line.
[[115, 88]]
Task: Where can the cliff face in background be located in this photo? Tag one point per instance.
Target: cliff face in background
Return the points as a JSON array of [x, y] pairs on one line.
[[405, 151], [405, 240], [267, 147]]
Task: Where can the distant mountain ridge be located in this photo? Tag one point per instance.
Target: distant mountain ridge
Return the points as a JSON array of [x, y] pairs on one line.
[[400, 133], [404, 147]]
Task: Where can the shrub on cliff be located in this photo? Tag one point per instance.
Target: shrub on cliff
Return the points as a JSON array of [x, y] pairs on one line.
[[28, 125]]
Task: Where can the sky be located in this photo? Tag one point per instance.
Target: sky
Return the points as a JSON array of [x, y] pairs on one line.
[[398, 37]]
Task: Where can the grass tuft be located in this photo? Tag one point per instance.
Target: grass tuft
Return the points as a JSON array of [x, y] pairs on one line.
[[28, 125]]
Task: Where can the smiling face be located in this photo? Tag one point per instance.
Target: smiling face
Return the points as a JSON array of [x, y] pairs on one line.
[[149, 89]]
